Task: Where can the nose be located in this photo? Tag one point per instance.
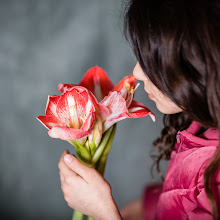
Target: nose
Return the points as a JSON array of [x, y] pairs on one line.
[[135, 71]]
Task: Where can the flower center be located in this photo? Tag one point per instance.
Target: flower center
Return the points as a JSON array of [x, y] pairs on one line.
[[129, 88], [74, 122], [83, 118]]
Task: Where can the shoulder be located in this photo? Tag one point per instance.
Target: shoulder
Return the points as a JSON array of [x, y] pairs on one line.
[[187, 166], [184, 185], [201, 173], [191, 155]]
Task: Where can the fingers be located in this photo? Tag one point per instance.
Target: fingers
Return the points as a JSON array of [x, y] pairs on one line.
[[62, 156], [69, 165], [61, 162], [62, 165], [67, 176], [76, 166]]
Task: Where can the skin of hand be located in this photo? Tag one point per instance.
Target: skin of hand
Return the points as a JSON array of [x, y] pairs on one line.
[[133, 210], [85, 190]]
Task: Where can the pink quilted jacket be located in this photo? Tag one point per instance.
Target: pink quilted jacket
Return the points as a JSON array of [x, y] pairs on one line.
[[182, 195]]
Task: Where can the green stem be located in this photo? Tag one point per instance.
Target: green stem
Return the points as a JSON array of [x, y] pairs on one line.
[[99, 157], [81, 151], [102, 145], [100, 167], [108, 146], [88, 164], [77, 215]]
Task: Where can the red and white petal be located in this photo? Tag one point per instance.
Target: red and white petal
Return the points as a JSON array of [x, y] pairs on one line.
[[70, 107], [75, 106], [120, 112], [63, 110], [116, 106], [80, 103], [127, 95], [64, 87], [97, 81], [107, 124], [51, 106], [79, 89], [86, 108], [49, 121], [137, 109], [103, 111], [127, 88], [126, 82], [91, 101], [67, 133], [137, 114], [89, 121]]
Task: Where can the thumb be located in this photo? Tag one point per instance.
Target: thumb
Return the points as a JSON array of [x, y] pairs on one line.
[[75, 165]]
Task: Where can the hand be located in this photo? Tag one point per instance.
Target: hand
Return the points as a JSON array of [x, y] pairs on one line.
[[85, 190], [133, 210]]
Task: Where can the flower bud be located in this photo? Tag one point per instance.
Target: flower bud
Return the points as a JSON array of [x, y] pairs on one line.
[[96, 135]]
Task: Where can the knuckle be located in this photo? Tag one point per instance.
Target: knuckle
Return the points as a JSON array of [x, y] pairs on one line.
[[89, 170], [93, 176], [94, 173]]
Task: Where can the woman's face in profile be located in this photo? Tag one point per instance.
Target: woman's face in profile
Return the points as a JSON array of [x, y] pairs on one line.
[[163, 103]]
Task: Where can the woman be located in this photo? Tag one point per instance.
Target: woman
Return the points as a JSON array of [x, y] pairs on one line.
[[177, 47]]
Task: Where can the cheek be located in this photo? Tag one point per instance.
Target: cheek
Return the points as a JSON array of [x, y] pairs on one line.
[[166, 106], [163, 103]]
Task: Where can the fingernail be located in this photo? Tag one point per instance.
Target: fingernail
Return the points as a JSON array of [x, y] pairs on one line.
[[68, 158]]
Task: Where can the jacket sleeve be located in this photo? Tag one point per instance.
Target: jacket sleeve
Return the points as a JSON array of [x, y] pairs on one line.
[[203, 206], [188, 204], [150, 200]]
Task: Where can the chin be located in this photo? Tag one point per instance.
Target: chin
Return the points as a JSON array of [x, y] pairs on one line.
[[169, 110]]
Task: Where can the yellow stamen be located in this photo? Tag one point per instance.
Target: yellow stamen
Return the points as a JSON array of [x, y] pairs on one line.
[[83, 118], [127, 86], [72, 106]]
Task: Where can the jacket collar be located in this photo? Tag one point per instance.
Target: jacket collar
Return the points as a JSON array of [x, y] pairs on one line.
[[188, 138]]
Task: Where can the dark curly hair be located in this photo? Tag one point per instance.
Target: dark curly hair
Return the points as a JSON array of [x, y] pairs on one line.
[[177, 44]]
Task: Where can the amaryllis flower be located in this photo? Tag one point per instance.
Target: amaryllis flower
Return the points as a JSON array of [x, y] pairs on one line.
[[71, 115], [86, 115], [77, 115], [98, 82]]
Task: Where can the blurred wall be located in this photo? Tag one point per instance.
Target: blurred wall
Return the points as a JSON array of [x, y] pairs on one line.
[[44, 43]]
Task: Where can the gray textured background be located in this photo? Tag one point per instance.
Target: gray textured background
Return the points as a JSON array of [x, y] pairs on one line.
[[44, 43]]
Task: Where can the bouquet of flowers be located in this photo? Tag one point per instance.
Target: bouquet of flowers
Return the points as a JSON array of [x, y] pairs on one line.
[[86, 114]]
